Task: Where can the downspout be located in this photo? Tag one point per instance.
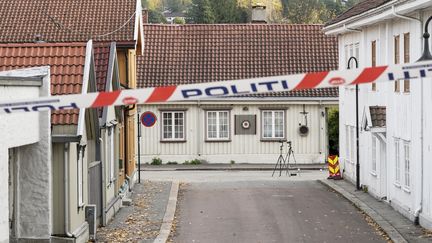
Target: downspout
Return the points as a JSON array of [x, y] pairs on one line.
[[103, 175], [199, 130], [66, 189], [126, 157], [420, 206]]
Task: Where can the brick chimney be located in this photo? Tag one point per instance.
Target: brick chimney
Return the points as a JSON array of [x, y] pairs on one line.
[[259, 14], [145, 16]]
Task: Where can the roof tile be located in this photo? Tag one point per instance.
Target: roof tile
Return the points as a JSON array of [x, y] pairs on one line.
[[66, 21], [183, 54], [359, 8], [66, 63]]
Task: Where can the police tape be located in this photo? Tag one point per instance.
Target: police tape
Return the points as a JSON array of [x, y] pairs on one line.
[[220, 89]]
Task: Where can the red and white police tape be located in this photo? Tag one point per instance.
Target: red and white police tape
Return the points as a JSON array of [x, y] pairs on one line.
[[223, 88]]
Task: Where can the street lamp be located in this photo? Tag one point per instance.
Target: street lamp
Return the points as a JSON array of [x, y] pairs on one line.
[[357, 126], [426, 51]]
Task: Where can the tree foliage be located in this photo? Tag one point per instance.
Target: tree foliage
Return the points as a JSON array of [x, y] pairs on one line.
[[201, 12], [333, 130]]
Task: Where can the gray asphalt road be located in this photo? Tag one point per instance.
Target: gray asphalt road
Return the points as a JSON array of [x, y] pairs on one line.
[[268, 211]]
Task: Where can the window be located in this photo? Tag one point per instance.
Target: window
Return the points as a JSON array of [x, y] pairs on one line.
[[396, 60], [407, 180], [407, 59], [373, 61], [273, 124], [80, 175], [397, 162], [173, 125], [374, 154], [218, 125]]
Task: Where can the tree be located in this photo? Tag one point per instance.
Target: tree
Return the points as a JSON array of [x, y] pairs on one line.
[[333, 130], [156, 17], [178, 20], [201, 12], [228, 11]]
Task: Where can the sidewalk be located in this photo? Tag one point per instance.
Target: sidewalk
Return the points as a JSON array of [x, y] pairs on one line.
[[397, 227], [181, 167], [141, 221]]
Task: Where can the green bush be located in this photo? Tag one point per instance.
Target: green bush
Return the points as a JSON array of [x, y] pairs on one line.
[[193, 162], [232, 162], [172, 163], [156, 161]]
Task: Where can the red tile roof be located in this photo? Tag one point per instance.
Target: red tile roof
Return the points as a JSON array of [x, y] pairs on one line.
[[66, 63], [181, 54], [101, 59], [359, 8], [66, 21]]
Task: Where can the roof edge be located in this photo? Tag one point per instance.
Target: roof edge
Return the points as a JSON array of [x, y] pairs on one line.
[[85, 85]]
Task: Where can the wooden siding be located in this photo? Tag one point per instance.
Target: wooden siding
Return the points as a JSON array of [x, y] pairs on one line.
[[241, 148]]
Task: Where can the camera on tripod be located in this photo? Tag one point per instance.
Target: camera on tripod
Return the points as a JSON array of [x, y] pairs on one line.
[[283, 162]]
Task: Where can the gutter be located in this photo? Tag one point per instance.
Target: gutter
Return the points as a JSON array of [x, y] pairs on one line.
[[66, 189]]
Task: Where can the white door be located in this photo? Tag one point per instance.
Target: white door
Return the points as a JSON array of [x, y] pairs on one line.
[[383, 167]]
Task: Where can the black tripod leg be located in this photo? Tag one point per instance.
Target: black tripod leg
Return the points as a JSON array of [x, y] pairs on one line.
[[277, 162]]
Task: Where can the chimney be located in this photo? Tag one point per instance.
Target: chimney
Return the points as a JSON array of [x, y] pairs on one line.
[[145, 14], [259, 14]]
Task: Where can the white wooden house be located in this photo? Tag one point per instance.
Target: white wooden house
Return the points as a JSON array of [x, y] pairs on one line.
[[243, 129], [395, 138]]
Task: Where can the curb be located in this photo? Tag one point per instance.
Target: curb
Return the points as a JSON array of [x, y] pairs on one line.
[[391, 231], [168, 218], [226, 169]]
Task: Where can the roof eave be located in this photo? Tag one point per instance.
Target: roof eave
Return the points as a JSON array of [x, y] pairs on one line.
[[366, 18], [85, 84]]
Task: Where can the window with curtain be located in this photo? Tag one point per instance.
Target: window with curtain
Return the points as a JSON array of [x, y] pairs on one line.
[[407, 59], [396, 60], [373, 61]]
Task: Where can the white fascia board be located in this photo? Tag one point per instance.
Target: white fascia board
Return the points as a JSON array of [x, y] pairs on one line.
[[109, 80], [254, 101], [85, 85], [376, 15], [138, 31]]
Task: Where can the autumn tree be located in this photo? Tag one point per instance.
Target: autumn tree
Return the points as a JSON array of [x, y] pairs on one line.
[[201, 12]]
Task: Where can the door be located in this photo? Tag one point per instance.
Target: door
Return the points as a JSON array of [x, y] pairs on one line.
[[383, 166]]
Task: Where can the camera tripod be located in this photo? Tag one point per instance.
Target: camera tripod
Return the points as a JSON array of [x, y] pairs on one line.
[[282, 162]]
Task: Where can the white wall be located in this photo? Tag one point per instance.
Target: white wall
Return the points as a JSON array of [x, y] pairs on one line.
[[403, 121], [30, 134], [241, 148]]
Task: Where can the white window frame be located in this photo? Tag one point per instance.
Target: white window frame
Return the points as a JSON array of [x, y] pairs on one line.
[[273, 132], [80, 175], [407, 165], [397, 161], [173, 138], [375, 145], [218, 125]]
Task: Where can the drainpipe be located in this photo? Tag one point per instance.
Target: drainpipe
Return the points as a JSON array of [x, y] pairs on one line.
[[66, 189], [103, 175], [405, 17], [199, 130]]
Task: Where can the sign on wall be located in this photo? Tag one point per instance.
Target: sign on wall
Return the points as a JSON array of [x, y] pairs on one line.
[[148, 119]]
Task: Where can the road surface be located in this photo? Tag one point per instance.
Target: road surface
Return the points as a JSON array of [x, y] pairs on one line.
[[274, 210]]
